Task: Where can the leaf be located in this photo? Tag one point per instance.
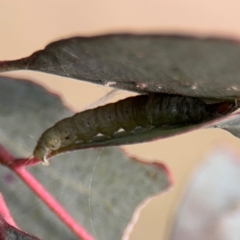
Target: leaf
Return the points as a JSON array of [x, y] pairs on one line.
[[138, 136], [230, 124], [8, 232], [100, 188], [206, 68]]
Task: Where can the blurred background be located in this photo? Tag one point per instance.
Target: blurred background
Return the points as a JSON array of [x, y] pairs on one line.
[[204, 201]]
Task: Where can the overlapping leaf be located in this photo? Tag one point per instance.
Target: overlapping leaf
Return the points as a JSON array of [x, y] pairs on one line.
[[190, 66], [100, 188]]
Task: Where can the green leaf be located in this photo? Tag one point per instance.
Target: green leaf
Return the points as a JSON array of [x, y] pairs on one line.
[[206, 68], [100, 188]]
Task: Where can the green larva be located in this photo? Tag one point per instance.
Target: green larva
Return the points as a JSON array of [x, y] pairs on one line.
[[154, 110]]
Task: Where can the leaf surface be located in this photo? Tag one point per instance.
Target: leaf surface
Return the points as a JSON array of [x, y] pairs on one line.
[[206, 68], [98, 187]]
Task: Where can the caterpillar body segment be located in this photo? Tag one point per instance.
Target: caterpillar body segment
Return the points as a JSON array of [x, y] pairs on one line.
[[86, 124]]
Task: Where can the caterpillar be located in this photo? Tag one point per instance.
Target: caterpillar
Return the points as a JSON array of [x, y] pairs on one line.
[[153, 110]]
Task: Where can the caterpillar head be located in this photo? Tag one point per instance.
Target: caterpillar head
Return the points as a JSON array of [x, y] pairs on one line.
[[62, 134], [49, 141]]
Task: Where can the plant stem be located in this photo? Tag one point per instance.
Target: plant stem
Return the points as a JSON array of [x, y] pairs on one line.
[[17, 165], [42, 193]]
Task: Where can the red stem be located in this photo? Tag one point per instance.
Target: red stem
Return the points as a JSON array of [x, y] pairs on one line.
[[42, 193], [17, 166], [24, 162]]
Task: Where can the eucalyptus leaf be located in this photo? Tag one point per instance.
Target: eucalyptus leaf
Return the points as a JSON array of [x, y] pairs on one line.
[[186, 65], [100, 188], [8, 232], [230, 124]]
